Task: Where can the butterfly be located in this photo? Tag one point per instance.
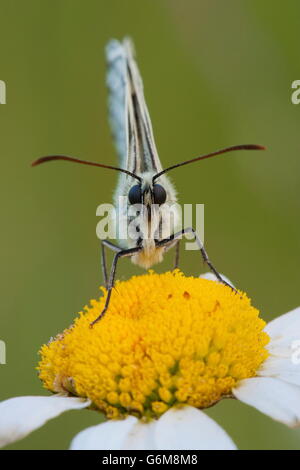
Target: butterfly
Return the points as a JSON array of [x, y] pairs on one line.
[[143, 182]]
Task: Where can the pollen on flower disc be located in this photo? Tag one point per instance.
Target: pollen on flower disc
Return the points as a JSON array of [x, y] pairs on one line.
[[166, 340]]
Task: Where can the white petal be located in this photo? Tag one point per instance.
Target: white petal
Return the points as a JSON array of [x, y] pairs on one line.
[[284, 332], [186, 428], [211, 277], [281, 368], [284, 348], [273, 397], [123, 434], [285, 325], [190, 429], [20, 416]]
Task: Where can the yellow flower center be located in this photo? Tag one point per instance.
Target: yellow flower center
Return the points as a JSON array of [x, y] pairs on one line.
[[165, 340]]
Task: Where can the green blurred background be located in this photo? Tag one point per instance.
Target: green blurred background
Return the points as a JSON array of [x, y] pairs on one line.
[[216, 73]]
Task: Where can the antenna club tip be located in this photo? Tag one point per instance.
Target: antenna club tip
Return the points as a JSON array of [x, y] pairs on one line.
[[256, 147], [44, 159], [38, 161]]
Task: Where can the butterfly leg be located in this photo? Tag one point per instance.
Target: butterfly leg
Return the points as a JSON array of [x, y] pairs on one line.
[[178, 235], [111, 246], [119, 254], [177, 250], [103, 264]]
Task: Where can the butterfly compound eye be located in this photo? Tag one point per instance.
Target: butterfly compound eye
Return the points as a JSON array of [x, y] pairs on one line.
[[159, 194], [135, 194]]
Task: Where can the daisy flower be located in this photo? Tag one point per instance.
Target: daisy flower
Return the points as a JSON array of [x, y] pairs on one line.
[[169, 347]]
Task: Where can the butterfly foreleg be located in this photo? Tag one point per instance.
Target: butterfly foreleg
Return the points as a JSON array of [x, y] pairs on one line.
[[119, 253], [114, 248], [178, 235]]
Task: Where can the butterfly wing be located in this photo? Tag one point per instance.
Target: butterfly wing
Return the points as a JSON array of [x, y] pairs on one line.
[[128, 113]]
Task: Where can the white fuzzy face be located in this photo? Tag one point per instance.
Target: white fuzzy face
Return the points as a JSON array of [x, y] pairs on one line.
[[151, 214]]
